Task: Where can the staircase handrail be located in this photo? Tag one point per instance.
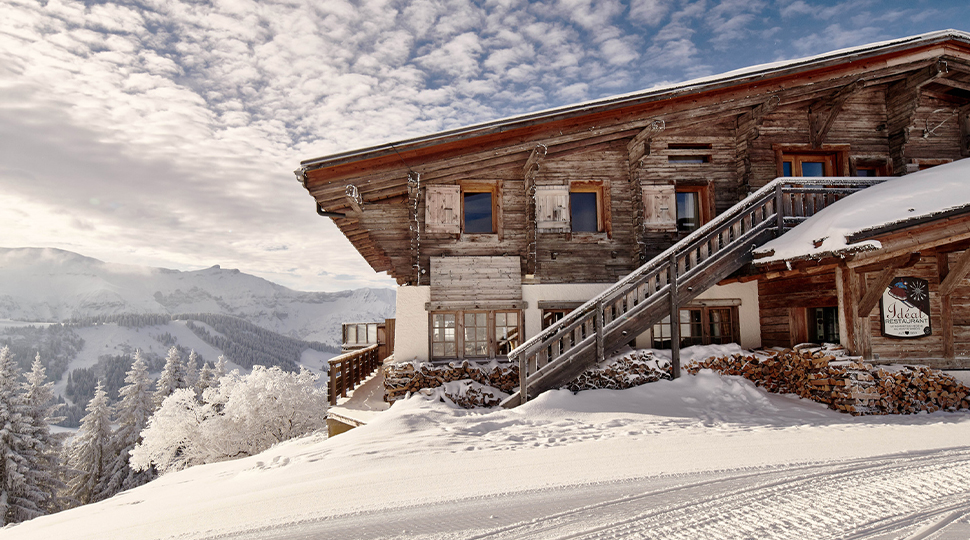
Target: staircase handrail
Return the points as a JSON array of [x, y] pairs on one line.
[[771, 189]]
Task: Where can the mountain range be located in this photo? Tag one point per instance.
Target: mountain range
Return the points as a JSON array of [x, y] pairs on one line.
[[53, 285]]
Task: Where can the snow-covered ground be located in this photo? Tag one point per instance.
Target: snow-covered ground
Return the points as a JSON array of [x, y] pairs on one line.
[[699, 457]]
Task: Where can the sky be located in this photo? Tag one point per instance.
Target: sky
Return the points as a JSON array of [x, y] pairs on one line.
[[165, 132]]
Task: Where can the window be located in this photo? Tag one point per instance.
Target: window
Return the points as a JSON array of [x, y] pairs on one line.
[[506, 332], [688, 153], [699, 326], [359, 334], [469, 208], [688, 211], [804, 160], [823, 325], [475, 334], [477, 209], [586, 208], [582, 211], [443, 335]]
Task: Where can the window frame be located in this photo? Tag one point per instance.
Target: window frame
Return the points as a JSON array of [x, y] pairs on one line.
[[491, 339], [660, 332], [588, 187], [836, 155], [703, 205], [472, 187]]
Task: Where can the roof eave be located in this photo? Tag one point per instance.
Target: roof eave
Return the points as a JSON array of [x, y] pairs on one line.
[[638, 98]]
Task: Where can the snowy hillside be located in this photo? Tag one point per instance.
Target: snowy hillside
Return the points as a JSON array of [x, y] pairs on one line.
[[54, 285], [699, 457]]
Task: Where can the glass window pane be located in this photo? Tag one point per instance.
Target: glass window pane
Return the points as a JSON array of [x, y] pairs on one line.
[[351, 333], [450, 349], [688, 211], [583, 211], [813, 168], [499, 319], [478, 212], [865, 172], [449, 320], [437, 349], [513, 319], [786, 168]]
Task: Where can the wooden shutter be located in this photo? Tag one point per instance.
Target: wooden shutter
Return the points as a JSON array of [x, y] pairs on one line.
[[443, 209], [552, 208], [660, 208]]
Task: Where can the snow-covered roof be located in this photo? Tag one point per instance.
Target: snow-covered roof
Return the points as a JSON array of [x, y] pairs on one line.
[[652, 94], [848, 225]]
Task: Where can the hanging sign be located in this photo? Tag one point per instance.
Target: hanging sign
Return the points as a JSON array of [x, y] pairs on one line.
[[905, 308]]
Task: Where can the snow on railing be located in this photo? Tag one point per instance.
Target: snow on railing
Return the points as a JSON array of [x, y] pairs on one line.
[[350, 369]]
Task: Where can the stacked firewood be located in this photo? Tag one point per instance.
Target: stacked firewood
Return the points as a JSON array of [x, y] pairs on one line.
[[409, 377], [633, 369], [843, 384], [467, 394]]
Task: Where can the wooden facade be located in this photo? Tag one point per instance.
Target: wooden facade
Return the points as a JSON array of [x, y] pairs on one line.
[[645, 169]]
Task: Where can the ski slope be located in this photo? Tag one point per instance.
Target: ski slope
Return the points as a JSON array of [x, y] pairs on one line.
[[700, 457]]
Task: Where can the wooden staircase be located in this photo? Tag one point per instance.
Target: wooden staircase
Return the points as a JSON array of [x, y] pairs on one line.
[[657, 289]]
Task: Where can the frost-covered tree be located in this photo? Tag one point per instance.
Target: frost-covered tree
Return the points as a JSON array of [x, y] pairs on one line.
[[132, 412], [192, 370], [220, 370], [207, 379], [172, 377], [44, 455], [174, 437], [240, 417], [19, 500], [90, 452]]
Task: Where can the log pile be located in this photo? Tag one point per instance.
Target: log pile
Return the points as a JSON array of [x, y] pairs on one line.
[[847, 385], [467, 394], [633, 369], [404, 378]]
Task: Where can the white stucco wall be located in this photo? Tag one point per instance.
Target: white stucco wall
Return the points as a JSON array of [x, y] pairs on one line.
[[411, 332], [411, 324]]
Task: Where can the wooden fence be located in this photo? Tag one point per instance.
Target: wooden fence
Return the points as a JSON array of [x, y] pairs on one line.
[[349, 369]]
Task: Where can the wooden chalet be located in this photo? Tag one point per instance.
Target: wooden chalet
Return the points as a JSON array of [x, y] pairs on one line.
[[552, 238]]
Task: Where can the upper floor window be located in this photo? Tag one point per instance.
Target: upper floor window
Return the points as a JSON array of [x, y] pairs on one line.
[[688, 210], [586, 208], [469, 208], [477, 209], [578, 208]]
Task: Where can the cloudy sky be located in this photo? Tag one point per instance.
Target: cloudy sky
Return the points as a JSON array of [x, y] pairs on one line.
[[165, 132]]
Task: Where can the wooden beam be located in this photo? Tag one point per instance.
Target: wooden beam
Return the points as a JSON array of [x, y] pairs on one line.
[[956, 274], [953, 84], [822, 113], [871, 297], [946, 308]]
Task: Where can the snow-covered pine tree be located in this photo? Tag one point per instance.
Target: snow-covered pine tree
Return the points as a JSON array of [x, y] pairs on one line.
[[46, 468], [172, 377], [132, 412], [90, 451], [18, 500], [192, 370], [207, 379], [221, 364]]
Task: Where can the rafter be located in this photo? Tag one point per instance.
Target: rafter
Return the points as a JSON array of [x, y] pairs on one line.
[[822, 113]]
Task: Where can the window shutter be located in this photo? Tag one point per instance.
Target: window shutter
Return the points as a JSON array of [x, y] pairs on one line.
[[552, 208], [443, 209], [660, 208]]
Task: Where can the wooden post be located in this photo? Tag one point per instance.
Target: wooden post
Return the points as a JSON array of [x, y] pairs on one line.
[[523, 378], [857, 337], [598, 322], [674, 320], [946, 308], [780, 208], [333, 384]]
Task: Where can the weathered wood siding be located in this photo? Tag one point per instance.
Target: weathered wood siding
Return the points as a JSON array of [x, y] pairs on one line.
[[487, 279], [783, 303]]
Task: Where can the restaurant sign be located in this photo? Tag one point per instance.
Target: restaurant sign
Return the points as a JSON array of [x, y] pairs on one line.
[[905, 308]]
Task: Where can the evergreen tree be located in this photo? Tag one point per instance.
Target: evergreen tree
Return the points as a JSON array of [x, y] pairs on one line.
[[172, 378], [18, 499], [192, 370], [220, 370], [90, 452], [46, 468], [207, 379], [131, 415]]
